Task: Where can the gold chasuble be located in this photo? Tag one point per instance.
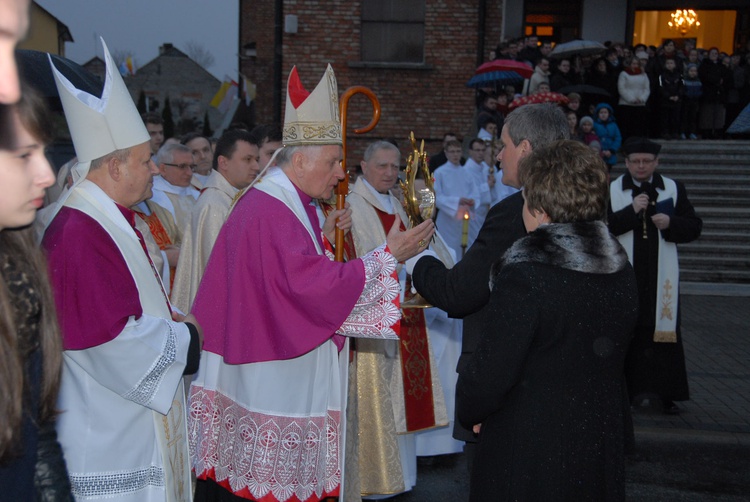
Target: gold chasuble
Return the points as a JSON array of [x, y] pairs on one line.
[[398, 386]]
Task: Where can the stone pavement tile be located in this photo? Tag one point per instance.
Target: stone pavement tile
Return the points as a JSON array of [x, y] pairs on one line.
[[716, 336]]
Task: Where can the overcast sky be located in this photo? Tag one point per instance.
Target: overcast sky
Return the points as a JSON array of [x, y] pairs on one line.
[[141, 26]]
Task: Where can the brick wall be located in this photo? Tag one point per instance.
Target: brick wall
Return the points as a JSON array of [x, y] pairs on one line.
[[429, 100]]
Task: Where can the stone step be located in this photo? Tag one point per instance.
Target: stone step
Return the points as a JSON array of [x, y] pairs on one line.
[[702, 247], [718, 200], [701, 275], [722, 235], [713, 263], [722, 212], [723, 224]]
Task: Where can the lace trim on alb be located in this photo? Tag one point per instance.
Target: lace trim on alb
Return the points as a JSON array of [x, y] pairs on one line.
[[375, 311], [145, 390], [285, 457], [115, 483]]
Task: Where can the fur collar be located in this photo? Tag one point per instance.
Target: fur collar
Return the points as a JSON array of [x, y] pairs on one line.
[[582, 247]]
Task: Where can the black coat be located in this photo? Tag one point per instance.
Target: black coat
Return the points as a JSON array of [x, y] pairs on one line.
[[546, 379], [463, 291], [654, 367]]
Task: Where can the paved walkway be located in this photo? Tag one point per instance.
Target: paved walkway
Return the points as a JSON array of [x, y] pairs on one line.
[[716, 336]]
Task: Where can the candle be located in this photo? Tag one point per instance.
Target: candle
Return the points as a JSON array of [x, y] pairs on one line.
[[465, 230]]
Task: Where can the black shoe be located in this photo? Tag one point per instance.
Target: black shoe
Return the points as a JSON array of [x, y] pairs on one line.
[[670, 408]]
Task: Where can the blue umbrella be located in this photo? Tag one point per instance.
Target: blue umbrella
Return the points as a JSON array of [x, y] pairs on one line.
[[494, 78], [742, 123]]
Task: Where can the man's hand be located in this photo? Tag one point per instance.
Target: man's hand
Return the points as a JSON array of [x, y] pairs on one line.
[[406, 244], [344, 222], [173, 254], [477, 428], [463, 201], [661, 221], [640, 202], [491, 180]]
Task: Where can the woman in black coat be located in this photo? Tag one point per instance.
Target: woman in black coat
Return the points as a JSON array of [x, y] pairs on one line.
[[544, 388]]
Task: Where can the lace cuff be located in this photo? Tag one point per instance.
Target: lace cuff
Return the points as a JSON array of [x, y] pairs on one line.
[[377, 309]]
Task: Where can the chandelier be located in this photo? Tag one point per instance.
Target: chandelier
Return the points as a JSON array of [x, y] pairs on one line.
[[683, 20]]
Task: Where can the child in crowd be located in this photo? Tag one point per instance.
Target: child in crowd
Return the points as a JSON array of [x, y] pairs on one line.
[[608, 132], [670, 87], [574, 103], [573, 125], [691, 102], [587, 133]]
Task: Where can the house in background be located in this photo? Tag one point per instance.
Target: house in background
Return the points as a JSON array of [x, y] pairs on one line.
[[96, 66], [46, 32], [189, 87]]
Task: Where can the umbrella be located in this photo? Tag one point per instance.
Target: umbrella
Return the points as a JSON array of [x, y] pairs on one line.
[[742, 123], [580, 47], [522, 69], [493, 78], [584, 89], [540, 97], [35, 69]]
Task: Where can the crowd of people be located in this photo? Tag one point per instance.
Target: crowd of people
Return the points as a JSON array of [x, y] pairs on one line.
[[657, 92], [174, 326]]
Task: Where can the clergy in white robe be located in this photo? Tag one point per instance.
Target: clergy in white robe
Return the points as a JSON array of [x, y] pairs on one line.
[[266, 411], [122, 423], [236, 167], [457, 194], [479, 169], [172, 189], [398, 386], [121, 398], [203, 157]]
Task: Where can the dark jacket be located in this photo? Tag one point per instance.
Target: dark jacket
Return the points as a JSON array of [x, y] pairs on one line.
[[670, 84], [717, 80], [462, 291], [546, 379]]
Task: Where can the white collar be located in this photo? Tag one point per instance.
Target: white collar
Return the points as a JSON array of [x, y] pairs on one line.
[[383, 198]]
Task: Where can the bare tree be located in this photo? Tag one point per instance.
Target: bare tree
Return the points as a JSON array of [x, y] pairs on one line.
[[121, 55], [198, 53]]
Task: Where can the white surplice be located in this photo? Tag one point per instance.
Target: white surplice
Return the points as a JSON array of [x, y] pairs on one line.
[[453, 182]]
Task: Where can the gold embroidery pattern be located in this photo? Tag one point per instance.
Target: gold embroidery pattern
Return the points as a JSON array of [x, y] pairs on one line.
[[666, 301], [312, 133]]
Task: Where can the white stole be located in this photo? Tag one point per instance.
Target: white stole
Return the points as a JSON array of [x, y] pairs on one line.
[[171, 428], [668, 277]]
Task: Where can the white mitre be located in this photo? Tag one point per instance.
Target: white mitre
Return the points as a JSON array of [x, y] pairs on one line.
[[100, 126], [312, 118]]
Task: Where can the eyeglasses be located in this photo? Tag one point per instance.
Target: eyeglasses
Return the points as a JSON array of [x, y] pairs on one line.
[[478, 149], [640, 162], [181, 166]]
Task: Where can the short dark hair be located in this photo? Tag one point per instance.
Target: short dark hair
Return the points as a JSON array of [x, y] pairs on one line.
[[187, 138], [567, 180], [267, 132], [152, 118], [227, 144]]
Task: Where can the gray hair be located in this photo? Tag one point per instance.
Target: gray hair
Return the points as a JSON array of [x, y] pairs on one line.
[[539, 124], [284, 157], [121, 155], [165, 155], [380, 145]]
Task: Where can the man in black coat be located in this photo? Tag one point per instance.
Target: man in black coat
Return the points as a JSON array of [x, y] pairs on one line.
[[650, 214], [463, 291]]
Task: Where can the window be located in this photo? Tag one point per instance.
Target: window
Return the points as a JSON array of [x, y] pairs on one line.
[[555, 21], [393, 31]]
